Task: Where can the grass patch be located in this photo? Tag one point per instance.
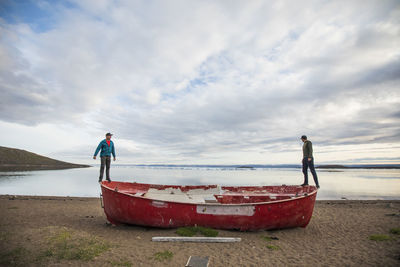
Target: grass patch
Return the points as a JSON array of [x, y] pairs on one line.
[[273, 247], [269, 238], [193, 230], [186, 231], [69, 245], [12, 208], [163, 255], [123, 263], [395, 231], [209, 232], [14, 257], [4, 236], [266, 238], [379, 237]]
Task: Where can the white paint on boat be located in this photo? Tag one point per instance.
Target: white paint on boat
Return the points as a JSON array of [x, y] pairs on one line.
[[159, 204], [225, 210]]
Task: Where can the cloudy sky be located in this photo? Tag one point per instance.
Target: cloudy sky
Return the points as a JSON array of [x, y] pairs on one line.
[[202, 82]]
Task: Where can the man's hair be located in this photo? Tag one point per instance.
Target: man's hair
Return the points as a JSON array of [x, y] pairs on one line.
[[304, 137]]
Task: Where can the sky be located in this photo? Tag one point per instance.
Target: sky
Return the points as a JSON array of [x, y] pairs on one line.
[[202, 82]]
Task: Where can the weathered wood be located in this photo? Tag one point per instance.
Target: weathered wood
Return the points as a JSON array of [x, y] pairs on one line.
[[196, 261], [195, 239]]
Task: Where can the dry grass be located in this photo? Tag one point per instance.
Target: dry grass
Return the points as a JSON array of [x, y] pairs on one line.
[[163, 255], [395, 231], [191, 231], [70, 245], [380, 237]]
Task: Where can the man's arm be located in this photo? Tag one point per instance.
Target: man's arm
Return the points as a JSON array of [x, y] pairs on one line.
[[113, 150], [309, 150], [97, 150]]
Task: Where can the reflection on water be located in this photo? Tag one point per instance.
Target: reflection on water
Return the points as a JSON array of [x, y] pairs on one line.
[[335, 184]]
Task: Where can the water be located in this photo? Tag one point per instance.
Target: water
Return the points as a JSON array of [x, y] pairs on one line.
[[335, 183]]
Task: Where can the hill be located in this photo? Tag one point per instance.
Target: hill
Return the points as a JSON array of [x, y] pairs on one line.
[[12, 159], [364, 166]]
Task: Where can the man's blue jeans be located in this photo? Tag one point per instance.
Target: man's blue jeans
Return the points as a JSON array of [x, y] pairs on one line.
[[309, 164], [105, 162]]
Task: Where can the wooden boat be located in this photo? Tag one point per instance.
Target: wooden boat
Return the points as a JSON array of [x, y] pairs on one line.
[[223, 207]]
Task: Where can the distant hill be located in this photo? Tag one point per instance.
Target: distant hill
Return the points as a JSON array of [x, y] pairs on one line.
[[12, 159], [331, 167], [365, 166]]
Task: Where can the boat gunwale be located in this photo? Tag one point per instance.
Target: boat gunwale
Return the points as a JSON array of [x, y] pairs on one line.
[[217, 204]]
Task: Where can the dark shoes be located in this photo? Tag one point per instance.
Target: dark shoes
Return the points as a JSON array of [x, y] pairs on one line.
[[108, 180], [307, 185]]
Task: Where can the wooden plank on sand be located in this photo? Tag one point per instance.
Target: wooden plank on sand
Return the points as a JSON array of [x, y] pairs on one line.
[[196, 261], [195, 239]]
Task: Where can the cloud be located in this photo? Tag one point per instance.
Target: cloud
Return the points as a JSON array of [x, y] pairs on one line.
[[195, 79]]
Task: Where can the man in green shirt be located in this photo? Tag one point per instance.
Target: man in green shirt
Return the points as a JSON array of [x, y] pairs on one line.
[[308, 161]]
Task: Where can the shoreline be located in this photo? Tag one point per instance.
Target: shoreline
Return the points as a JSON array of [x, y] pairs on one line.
[[338, 235], [5, 168], [38, 167]]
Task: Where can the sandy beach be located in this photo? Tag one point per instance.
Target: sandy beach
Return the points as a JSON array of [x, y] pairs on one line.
[[47, 231]]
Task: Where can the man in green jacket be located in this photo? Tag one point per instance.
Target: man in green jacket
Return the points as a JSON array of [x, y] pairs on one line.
[[107, 149], [308, 161]]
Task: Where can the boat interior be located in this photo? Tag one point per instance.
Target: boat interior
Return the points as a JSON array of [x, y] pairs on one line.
[[210, 193]]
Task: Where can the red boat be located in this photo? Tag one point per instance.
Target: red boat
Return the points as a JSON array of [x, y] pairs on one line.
[[226, 207]]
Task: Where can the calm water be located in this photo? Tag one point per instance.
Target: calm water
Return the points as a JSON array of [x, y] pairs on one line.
[[335, 184]]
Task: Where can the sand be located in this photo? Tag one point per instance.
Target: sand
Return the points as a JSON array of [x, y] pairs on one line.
[[338, 235]]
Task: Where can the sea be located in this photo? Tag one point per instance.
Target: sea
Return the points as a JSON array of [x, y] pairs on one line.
[[352, 184]]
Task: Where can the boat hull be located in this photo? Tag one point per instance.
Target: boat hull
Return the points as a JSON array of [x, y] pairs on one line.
[[121, 207]]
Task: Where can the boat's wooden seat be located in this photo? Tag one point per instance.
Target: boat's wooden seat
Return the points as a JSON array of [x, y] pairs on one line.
[[197, 195]]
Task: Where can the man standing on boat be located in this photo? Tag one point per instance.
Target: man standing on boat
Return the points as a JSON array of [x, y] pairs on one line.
[[107, 148], [308, 161]]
